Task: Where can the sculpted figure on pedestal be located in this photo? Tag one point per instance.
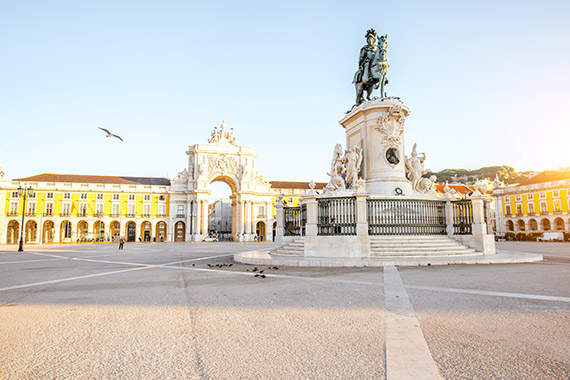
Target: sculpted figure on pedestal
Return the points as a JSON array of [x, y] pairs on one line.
[[415, 168], [222, 134], [426, 185], [352, 161], [345, 169]]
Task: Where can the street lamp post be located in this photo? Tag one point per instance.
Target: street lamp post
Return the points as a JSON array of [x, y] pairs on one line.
[[23, 192]]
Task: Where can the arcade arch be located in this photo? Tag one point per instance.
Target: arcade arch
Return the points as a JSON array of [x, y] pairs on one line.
[[99, 231], [533, 225], [179, 231], [48, 232], [160, 231], [131, 231], [13, 233], [115, 229], [82, 231], [65, 231], [31, 233], [146, 231]]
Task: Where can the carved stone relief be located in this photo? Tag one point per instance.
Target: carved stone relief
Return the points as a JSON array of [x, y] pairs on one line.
[[391, 126]]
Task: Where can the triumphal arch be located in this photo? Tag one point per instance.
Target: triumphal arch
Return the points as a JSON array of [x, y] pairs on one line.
[[222, 159]]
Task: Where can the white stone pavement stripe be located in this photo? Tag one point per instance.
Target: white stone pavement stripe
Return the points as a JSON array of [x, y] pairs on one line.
[[138, 267], [491, 293], [407, 352], [69, 279]]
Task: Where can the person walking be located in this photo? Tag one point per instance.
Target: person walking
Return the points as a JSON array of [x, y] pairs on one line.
[[121, 243]]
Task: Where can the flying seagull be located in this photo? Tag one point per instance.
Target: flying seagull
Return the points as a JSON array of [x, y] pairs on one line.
[[109, 134]]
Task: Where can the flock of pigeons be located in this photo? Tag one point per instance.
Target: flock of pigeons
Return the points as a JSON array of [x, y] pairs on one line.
[[258, 272]]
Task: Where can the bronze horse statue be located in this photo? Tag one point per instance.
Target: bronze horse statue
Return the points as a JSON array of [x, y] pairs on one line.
[[372, 67]]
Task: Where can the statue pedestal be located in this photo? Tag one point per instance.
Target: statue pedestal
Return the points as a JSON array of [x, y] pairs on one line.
[[378, 127]]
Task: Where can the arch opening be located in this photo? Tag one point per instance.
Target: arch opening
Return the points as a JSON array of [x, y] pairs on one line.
[[221, 207]]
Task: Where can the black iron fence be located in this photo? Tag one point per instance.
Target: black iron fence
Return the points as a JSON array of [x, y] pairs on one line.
[[406, 217], [336, 216], [462, 217], [295, 220]]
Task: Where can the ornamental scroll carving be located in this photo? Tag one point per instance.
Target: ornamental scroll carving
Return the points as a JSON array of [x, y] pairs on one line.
[[223, 164], [391, 126]]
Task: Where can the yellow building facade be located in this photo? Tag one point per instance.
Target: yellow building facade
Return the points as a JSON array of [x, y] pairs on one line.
[[539, 204], [78, 208]]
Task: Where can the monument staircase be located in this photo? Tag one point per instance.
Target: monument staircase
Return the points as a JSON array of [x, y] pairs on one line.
[[397, 246], [294, 248], [417, 246]]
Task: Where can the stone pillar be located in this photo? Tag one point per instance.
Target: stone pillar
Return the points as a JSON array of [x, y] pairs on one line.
[[361, 213], [195, 216], [448, 198], [40, 232], [311, 228], [254, 219], [205, 214], [279, 215], [247, 221], [268, 222], [239, 221], [483, 242], [57, 232]]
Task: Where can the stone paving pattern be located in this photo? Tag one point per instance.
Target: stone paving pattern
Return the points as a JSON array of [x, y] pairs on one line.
[[160, 311]]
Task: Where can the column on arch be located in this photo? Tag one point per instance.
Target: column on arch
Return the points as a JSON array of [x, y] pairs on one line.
[[239, 220], [254, 218], [205, 215], [194, 218], [247, 220], [268, 222]]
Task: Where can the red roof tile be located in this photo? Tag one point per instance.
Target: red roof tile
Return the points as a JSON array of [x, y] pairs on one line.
[[296, 185], [78, 178]]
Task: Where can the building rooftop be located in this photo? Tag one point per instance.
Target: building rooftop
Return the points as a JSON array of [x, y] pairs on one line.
[[78, 178], [458, 187], [547, 176], [296, 185]]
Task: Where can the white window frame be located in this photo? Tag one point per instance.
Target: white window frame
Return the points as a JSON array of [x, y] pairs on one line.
[[131, 197], [100, 197], [83, 209], [48, 209], [131, 209], [116, 197], [66, 209], [146, 209], [83, 196], [146, 197], [115, 209], [14, 207]]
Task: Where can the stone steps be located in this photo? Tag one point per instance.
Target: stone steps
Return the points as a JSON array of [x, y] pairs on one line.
[[295, 248], [417, 246]]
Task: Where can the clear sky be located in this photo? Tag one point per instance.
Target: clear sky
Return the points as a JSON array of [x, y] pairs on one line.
[[487, 82]]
